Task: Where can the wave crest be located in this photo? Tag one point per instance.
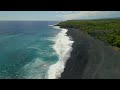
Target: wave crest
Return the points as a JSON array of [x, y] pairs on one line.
[[63, 48]]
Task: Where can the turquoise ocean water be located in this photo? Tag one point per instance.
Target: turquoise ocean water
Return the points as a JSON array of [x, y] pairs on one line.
[[26, 49]]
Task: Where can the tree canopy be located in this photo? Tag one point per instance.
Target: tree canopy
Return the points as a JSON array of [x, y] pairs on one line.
[[107, 30]]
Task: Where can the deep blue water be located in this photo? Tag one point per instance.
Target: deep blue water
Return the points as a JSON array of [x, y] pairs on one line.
[[26, 49]]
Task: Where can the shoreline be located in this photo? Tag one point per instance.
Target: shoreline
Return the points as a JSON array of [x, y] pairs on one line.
[[71, 70], [90, 58], [63, 48]]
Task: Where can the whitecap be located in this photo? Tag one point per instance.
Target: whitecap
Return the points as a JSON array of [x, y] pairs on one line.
[[63, 47]]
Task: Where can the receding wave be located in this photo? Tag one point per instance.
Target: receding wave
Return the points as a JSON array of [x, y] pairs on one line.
[[63, 48], [36, 69]]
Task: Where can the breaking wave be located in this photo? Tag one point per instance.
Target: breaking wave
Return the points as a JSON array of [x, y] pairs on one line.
[[63, 47]]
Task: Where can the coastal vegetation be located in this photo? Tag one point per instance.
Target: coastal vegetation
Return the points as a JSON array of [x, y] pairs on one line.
[[107, 30]]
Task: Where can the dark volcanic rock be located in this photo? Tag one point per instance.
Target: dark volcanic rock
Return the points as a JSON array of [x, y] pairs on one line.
[[91, 59]]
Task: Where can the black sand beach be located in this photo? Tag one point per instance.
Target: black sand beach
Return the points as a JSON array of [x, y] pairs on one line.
[[91, 59]]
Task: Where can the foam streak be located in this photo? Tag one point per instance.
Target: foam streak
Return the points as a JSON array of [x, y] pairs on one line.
[[63, 49]]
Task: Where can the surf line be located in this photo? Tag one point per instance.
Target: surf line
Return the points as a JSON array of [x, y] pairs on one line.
[[63, 47]]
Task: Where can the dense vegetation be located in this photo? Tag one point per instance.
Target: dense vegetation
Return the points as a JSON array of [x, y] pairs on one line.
[[107, 30]]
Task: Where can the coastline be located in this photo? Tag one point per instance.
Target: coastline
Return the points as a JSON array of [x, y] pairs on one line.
[[90, 58], [63, 48], [74, 67]]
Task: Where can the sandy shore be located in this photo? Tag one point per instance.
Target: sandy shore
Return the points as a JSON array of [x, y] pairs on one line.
[[91, 59]]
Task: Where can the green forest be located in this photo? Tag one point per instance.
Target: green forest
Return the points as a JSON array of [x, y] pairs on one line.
[[107, 30]]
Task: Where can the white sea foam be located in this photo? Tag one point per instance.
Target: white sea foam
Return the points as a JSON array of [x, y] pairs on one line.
[[35, 69], [63, 49], [50, 25]]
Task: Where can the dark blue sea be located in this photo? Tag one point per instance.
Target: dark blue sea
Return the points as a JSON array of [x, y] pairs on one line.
[[29, 48]]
